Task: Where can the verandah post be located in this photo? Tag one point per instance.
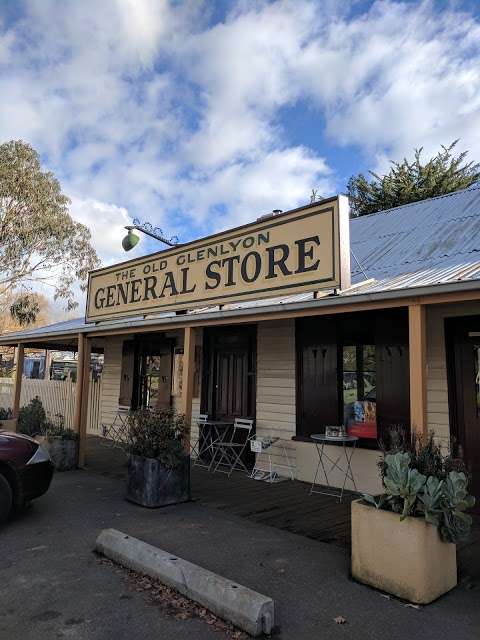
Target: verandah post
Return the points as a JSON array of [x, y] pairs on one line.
[[17, 384], [78, 385], [417, 333], [82, 430], [187, 389]]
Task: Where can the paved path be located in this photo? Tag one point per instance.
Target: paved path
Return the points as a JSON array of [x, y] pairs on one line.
[[52, 586]]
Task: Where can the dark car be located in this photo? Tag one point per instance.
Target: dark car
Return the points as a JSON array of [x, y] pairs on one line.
[[25, 471]]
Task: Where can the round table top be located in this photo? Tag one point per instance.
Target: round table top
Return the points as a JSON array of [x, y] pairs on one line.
[[216, 423], [323, 438]]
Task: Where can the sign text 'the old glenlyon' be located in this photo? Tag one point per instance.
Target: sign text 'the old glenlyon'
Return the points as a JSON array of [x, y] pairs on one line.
[[300, 250]]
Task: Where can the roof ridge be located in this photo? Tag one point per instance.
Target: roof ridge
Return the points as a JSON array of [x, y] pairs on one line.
[[474, 187]]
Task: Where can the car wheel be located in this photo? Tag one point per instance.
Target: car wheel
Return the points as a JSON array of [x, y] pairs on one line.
[[6, 498]]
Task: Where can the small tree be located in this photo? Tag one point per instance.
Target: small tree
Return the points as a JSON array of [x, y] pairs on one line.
[[39, 241], [411, 181]]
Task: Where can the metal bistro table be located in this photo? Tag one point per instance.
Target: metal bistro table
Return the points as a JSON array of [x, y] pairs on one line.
[[211, 431], [324, 459]]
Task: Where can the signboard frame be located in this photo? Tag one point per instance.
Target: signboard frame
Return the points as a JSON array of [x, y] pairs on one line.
[[337, 277]]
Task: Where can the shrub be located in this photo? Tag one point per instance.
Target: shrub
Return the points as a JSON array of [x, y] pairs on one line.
[[426, 455], [421, 481], [157, 434], [32, 418], [57, 431]]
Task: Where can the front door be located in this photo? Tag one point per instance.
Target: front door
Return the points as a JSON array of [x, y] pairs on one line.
[[229, 373], [463, 347]]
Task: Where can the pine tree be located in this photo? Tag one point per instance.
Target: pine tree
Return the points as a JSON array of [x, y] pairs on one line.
[[411, 181]]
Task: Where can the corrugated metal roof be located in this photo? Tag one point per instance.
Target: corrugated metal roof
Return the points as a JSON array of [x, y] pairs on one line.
[[431, 242], [58, 327], [431, 234]]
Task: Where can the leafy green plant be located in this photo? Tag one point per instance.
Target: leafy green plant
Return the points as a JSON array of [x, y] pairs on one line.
[[57, 431], [402, 483], [425, 453], [32, 418], [456, 524], [440, 494], [157, 434], [431, 499], [39, 239], [379, 502]]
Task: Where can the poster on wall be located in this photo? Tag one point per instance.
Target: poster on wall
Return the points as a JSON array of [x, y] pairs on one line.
[[306, 249]]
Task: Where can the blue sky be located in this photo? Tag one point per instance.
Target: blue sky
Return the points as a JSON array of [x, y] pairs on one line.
[[199, 116]]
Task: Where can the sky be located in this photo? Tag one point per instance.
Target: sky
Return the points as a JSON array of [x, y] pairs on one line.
[[199, 116]]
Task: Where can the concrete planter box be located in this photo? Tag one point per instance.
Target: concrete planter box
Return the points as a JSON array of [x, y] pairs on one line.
[[150, 484], [64, 453], [9, 425], [407, 559]]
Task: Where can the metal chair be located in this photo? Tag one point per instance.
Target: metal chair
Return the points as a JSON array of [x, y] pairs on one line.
[[264, 468], [199, 446], [228, 452]]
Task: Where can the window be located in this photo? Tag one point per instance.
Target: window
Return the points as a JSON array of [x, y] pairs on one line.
[[359, 390], [353, 370]]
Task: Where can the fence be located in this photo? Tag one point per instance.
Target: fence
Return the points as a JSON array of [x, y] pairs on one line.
[[58, 398]]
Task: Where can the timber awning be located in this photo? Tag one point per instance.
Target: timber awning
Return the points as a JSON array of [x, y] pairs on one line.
[[364, 296]]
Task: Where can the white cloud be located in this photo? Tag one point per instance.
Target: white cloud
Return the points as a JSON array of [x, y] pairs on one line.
[[244, 71], [389, 88], [279, 179], [107, 225]]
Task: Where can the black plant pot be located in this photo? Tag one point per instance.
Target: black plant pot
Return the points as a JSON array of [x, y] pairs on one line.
[[150, 484]]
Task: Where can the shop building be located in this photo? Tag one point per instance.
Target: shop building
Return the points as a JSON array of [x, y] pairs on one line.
[[301, 320]]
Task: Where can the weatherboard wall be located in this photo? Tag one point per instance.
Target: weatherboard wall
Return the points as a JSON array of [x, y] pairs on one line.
[[112, 371], [275, 398]]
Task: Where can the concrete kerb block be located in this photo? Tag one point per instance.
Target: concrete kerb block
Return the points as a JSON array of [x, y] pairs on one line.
[[245, 608]]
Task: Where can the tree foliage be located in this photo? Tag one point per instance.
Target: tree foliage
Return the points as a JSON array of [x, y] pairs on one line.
[[411, 181], [39, 240]]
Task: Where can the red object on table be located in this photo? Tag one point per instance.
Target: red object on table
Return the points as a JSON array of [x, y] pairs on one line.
[[363, 430]]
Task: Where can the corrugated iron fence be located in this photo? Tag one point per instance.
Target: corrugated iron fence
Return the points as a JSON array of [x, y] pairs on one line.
[[58, 399]]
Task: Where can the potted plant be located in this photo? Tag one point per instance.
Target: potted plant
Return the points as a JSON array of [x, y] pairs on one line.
[[403, 541], [7, 421], [32, 418], [158, 466], [62, 444]]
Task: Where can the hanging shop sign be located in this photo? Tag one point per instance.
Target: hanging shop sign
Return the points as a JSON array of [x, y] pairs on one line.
[[306, 249]]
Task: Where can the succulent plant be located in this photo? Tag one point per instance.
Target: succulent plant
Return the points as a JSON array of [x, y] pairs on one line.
[[442, 499], [456, 523], [431, 499], [402, 483]]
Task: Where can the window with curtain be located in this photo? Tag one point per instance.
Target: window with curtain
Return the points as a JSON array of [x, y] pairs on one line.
[[359, 390], [353, 371]]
